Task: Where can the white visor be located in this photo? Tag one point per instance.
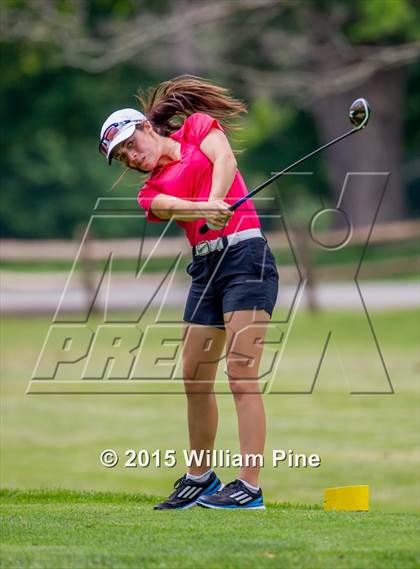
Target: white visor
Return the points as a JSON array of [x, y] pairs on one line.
[[119, 126], [120, 137]]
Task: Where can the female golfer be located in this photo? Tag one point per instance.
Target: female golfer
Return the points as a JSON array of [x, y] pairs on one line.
[[193, 180]]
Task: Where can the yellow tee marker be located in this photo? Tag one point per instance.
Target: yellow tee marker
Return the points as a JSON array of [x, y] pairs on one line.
[[347, 499]]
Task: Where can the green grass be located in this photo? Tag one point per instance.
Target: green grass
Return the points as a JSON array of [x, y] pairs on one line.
[[54, 441], [61, 529], [50, 440]]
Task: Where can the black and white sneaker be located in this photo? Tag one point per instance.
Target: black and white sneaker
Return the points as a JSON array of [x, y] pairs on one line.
[[235, 496], [188, 491]]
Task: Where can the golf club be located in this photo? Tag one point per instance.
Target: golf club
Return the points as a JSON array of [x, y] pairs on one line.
[[359, 114]]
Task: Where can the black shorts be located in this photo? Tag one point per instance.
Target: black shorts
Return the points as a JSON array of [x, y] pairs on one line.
[[239, 277]]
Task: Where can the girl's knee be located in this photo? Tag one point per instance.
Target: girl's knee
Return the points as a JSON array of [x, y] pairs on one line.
[[199, 389], [240, 388]]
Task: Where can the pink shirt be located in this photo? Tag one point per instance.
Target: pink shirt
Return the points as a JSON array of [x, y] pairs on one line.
[[190, 178]]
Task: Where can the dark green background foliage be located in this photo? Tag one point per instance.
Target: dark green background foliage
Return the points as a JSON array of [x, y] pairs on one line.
[[52, 104]]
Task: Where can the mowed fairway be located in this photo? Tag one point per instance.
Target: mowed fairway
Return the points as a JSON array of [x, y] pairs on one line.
[[62, 529], [53, 442]]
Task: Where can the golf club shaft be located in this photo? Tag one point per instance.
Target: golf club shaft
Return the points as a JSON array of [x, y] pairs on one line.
[[204, 228]]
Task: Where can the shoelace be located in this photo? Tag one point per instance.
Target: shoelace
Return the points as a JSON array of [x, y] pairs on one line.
[[229, 488], [178, 484]]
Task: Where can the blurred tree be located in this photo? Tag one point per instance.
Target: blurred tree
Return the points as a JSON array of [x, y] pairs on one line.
[[51, 170], [66, 62], [322, 55]]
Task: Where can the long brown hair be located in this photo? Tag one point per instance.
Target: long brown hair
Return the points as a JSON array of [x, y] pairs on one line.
[[171, 102]]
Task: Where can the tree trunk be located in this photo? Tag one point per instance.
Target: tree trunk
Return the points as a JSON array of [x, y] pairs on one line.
[[377, 148]]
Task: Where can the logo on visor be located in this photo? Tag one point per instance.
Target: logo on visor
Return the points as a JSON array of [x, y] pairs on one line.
[[111, 132]]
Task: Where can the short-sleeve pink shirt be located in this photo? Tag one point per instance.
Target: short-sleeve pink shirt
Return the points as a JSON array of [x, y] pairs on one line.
[[190, 178]]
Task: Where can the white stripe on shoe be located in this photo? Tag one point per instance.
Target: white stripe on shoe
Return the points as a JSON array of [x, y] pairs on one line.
[[245, 500], [241, 493], [184, 491], [190, 492], [193, 493]]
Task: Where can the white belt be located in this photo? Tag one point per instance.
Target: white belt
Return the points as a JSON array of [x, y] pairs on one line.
[[206, 247]]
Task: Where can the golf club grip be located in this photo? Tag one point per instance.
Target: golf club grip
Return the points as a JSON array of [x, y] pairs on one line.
[[204, 228]]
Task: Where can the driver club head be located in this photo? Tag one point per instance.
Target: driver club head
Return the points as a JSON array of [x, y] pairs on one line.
[[359, 113]]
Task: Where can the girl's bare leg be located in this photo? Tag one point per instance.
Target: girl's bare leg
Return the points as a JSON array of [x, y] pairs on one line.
[[245, 332], [202, 349]]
